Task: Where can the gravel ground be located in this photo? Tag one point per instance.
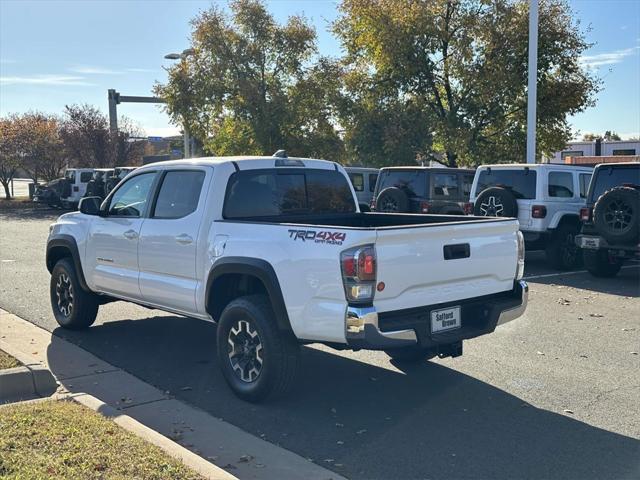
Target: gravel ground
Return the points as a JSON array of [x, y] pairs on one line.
[[551, 395]]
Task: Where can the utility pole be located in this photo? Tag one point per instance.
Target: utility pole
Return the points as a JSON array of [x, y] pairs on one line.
[[533, 81], [115, 98]]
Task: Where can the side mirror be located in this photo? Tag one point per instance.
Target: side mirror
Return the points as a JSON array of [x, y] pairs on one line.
[[90, 205]]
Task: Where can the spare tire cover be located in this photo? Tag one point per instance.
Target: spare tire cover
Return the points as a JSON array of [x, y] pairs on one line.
[[496, 202]]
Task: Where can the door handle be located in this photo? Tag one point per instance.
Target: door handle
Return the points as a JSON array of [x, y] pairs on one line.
[[131, 234], [184, 239]]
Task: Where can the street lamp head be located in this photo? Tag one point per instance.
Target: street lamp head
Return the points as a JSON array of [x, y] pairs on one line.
[[173, 56]]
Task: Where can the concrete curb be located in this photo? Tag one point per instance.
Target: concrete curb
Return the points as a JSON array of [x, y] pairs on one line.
[[26, 382], [194, 462]]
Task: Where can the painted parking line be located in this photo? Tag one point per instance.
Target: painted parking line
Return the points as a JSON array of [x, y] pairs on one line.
[[562, 274]]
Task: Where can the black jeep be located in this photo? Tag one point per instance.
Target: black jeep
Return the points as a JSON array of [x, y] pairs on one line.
[[611, 219], [423, 190]]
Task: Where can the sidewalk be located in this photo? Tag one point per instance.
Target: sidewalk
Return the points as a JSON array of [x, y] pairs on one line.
[[78, 371]]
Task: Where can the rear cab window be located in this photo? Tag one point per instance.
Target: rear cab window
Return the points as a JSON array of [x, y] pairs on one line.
[[276, 192], [521, 182], [411, 182], [583, 181], [373, 178]]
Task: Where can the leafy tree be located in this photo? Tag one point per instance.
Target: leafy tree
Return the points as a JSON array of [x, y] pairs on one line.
[[10, 152], [465, 63], [249, 86], [608, 136], [89, 142]]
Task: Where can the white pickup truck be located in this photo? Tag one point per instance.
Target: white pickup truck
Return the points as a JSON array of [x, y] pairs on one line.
[[276, 252]]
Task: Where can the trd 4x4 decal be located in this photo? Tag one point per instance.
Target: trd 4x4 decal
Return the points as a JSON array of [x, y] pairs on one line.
[[331, 238]]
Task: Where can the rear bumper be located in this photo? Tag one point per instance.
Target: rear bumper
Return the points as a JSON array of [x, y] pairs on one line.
[[368, 329], [596, 242]]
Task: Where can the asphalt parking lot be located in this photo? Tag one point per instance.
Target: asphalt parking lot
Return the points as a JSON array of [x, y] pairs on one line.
[[552, 395]]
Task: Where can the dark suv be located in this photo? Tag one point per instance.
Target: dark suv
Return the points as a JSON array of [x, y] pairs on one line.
[[423, 190], [611, 219]]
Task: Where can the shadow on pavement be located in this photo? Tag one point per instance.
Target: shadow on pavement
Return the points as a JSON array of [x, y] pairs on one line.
[[31, 212], [625, 284], [368, 422]]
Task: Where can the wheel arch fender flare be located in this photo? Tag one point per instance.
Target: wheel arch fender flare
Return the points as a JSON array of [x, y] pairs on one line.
[[254, 267], [563, 218], [63, 246]]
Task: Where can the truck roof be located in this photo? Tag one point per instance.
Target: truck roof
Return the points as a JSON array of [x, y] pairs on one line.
[[249, 162]]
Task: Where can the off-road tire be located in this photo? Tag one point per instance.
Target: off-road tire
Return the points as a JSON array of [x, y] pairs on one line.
[[392, 200], [562, 252], [77, 309], [279, 351], [616, 215], [410, 354], [599, 264], [496, 202]]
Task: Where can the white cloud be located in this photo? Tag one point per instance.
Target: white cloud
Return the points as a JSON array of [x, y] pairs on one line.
[[87, 70], [141, 70], [45, 79], [611, 58]]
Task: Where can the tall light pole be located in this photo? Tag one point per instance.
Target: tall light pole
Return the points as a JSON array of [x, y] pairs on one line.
[[187, 140], [533, 81]]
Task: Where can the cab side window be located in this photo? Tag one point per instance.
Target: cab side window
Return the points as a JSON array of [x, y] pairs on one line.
[[130, 200], [357, 180], [584, 180], [373, 178], [179, 194]]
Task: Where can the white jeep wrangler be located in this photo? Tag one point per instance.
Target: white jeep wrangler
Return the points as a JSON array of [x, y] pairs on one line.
[[545, 198]]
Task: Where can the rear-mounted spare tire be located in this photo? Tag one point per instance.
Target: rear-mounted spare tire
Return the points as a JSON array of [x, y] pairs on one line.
[[392, 200], [616, 215], [496, 202]]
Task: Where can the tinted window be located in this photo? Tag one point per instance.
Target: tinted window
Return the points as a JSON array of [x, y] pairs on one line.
[[584, 179], [412, 182], [373, 178], [357, 179], [131, 198], [260, 193], [521, 182], [85, 177], [560, 184], [467, 182], [610, 177], [445, 185], [179, 194]]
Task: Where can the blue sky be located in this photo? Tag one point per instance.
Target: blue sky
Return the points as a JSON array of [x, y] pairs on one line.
[[54, 53]]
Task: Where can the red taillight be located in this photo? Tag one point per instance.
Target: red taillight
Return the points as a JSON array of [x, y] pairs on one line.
[[538, 211], [359, 273], [468, 208], [424, 207], [585, 214]]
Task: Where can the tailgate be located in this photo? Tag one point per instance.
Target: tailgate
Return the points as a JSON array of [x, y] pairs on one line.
[[412, 264]]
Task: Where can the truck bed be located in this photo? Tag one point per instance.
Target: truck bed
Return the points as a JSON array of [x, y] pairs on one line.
[[370, 220]]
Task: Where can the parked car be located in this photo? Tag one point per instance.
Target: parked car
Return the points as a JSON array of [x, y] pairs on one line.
[[545, 198], [97, 186], [276, 252], [611, 219], [423, 190], [118, 174], [50, 193], [363, 181], [76, 180]]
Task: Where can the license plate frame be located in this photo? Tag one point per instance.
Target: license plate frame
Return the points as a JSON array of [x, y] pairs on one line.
[[591, 243], [446, 319]]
